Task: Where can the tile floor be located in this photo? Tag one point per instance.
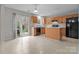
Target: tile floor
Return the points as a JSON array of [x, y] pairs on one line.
[[38, 45]]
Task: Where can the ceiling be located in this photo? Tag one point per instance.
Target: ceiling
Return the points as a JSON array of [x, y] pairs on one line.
[[46, 9]]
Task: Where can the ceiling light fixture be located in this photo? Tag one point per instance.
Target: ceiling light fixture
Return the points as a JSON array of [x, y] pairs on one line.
[[35, 9]]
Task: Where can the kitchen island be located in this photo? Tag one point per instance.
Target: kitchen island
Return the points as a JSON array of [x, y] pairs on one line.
[[54, 32]]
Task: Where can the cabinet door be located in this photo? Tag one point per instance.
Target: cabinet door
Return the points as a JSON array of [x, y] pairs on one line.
[[43, 30], [34, 19]]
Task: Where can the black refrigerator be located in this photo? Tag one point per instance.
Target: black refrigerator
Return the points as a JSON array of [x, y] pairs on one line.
[[72, 27]]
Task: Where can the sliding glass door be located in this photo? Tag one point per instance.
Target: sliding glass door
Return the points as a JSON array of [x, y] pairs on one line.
[[21, 25]]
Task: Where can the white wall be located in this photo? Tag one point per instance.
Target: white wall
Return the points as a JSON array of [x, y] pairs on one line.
[[0, 22], [7, 23]]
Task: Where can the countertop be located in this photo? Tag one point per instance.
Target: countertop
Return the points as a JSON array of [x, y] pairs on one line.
[[55, 27], [61, 26]]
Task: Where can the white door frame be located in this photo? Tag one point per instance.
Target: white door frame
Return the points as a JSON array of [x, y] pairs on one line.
[[14, 17]]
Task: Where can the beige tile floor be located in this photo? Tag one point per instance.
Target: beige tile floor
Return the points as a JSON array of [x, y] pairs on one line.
[[38, 45]]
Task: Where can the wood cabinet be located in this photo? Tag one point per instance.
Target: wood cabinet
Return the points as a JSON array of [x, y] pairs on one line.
[[38, 31], [34, 19], [54, 33], [42, 30]]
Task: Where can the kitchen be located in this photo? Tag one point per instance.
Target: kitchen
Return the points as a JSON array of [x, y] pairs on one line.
[[57, 27]]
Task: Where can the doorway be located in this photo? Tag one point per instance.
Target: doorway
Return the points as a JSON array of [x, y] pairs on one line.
[[21, 25]]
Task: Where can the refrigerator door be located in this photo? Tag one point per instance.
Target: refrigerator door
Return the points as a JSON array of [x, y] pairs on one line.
[[68, 27], [78, 27], [72, 27], [75, 28]]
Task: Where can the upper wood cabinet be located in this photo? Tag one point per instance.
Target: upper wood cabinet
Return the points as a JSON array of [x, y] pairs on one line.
[[34, 19], [61, 20]]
